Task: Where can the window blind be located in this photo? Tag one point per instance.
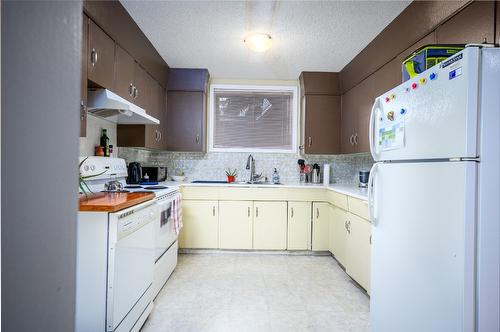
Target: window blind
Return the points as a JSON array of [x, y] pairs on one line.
[[253, 120]]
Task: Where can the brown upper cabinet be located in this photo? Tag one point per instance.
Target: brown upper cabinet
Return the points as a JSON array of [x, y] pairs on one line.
[[356, 109], [83, 81], [320, 113], [147, 136], [124, 74], [474, 24], [100, 57], [187, 109]]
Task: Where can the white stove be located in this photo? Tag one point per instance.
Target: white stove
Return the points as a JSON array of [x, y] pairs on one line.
[[125, 303]]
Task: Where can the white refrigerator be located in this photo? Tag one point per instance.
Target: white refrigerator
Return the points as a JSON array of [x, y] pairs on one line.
[[434, 198]]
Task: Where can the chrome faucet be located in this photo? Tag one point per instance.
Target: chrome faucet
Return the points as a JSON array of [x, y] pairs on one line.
[[251, 167]]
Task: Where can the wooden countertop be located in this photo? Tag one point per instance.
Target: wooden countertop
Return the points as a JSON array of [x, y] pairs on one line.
[[112, 202]]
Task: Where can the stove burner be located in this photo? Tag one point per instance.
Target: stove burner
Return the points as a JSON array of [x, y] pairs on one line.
[[135, 186], [155, 187], [115, 191]]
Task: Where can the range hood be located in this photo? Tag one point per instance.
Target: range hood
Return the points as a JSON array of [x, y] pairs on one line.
[[108, 105]]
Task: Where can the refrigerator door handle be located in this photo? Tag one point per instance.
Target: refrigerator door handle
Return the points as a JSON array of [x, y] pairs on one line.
[[371, 129], [371, 198]]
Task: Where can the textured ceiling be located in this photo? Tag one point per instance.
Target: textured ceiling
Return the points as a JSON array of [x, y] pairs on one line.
[[307, 35]]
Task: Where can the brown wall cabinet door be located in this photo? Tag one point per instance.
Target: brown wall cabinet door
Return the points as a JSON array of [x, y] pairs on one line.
[[364, 103], [124, 74], [322, 124], [474, 24], [83, 101], [100, 57], [348, 121], [319, 83], [141, 84], [186, 114]]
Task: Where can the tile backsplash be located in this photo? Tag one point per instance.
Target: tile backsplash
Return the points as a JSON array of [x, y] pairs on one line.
[[212, 165]]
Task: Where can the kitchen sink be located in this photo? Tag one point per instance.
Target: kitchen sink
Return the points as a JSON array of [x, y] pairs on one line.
[[208, 181]]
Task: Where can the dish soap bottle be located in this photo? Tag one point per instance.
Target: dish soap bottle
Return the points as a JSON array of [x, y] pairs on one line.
[[276, 177]]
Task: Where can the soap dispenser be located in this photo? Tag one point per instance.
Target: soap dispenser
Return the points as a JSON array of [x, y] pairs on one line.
[[276, 177]]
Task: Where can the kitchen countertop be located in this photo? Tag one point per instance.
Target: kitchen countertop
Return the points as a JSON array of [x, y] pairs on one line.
[[112, 202], [346, 189]]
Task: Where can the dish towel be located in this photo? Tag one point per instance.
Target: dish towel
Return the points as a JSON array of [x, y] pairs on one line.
[[177, 214]]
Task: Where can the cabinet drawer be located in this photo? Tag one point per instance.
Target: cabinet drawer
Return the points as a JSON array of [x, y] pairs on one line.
[[252, 194], [358, 207], [317, 194], [334, 198], [201, 193]]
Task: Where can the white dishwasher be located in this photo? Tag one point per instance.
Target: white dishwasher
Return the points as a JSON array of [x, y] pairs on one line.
[[115, 266]]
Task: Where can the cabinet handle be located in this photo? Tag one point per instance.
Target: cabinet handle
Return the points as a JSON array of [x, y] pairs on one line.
[[349, 227], [345, 225], [197, 138], [370, 239], [213, 210], [136, 92], [93, 57], [248, 211], [257, 212], [355, 138], [351, 139], [309, 141], [317, 213], [159, 133], [291, 214], [131, 90], [83, 110]]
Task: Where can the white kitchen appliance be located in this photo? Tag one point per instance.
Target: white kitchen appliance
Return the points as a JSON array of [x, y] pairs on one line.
[[115, 257], [119, 270], [434, 198]]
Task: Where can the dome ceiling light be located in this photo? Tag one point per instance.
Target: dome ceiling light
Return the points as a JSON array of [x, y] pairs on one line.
[[258, 42]]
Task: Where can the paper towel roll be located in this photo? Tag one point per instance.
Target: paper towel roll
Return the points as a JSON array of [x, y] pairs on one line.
[[326, 174]]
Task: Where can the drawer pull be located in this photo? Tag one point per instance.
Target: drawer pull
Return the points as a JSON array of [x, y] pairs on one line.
[[249, 212], [291, 214], [257, 212], [213, 210], [317, 213]]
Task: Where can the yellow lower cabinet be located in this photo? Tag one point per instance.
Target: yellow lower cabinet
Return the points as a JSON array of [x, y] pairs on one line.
[[299, 226], [321, 226], [269, 225], [235, 224], [358, 250], [200, 220], [338, 233]]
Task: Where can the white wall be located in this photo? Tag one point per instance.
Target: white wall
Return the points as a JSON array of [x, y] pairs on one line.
[[94, 128]]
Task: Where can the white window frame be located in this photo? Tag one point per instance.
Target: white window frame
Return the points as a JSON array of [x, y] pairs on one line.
[[253, 87]]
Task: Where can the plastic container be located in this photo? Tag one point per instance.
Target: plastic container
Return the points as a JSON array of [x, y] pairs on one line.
[[427, 56]]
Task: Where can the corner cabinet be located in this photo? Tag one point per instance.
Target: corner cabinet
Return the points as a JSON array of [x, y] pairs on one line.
[[358, 250], [187, 109], [320, 113]]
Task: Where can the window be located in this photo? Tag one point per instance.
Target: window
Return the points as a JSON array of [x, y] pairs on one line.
[[253, 118]]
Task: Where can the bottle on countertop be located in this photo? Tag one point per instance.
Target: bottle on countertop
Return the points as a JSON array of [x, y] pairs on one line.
[[105, 142], [276, 177]]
